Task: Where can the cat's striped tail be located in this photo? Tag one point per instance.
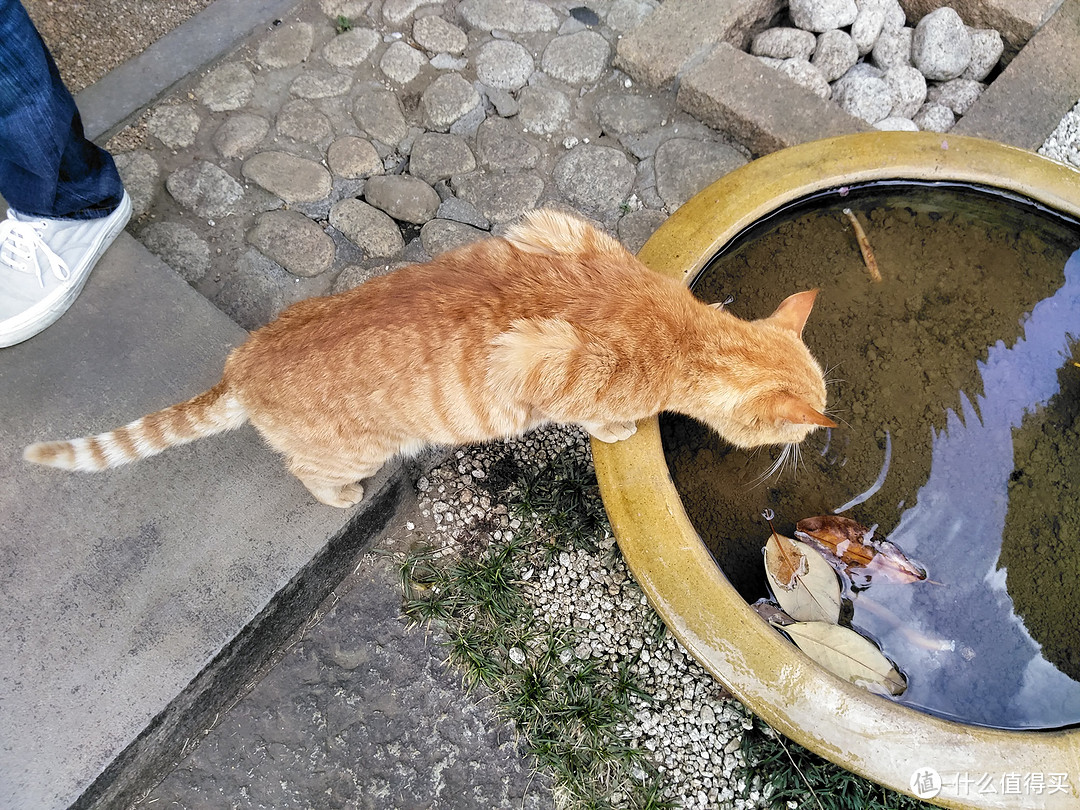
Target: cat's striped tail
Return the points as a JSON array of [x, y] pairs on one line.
[[214, 411]]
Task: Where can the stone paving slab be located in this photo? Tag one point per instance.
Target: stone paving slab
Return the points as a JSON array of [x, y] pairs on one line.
[[732, 91], [131, 599], [683, 31], [1026, 102], [362, 714]]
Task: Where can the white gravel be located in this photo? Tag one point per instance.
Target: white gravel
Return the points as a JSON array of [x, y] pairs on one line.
[[1063, 144], [688, 727]]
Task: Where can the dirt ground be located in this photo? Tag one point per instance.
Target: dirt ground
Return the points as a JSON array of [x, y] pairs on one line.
[[88, 38]]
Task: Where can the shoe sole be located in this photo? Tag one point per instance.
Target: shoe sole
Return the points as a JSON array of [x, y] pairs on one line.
[[47, 312]]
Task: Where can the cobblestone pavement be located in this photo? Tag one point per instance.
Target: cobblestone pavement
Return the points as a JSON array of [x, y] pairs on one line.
[[316, 157]]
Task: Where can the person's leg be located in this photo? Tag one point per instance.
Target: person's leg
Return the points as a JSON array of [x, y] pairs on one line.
[[47, 167], [66, 203]]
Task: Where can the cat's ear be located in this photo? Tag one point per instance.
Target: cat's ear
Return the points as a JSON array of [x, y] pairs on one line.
[[798, 412], [794, 310]]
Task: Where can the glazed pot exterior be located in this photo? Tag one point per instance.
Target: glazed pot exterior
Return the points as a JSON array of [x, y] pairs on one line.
[[901, 748]]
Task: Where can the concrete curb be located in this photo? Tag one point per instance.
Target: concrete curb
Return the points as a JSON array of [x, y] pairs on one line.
[[163, 744], [1026, 102], [758, 112], [683, 32]]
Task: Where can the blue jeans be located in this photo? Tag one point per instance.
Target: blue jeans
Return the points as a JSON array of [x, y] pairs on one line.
[[47, 166]]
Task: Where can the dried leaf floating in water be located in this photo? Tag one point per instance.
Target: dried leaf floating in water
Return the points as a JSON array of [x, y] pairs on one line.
[[785, 561], [842, 537], [848, 655], [852, 544], [803, 582]]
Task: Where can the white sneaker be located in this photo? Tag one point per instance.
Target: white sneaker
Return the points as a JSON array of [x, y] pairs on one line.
[[44, 264]]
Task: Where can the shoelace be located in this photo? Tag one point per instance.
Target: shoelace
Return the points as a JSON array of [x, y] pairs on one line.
[[20, 244]]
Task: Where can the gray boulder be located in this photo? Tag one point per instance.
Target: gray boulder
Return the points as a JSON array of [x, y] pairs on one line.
[[835, 54], [576, 58], [405, 198], [784, 43], [437, 156], [958, 95], [597, 178], [367, 227], [802, 72], [821, 15], [447, 99], [864, 97], [941, 45], [868, 25], [436, 35], [893, 48], [896, 124], [293, 241], [504, 65], [935, 118], [909, 86], [986, 50]]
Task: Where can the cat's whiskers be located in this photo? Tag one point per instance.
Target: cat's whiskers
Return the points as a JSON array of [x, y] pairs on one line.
[[827, 375], [796, 459], [832, 411], [788, 452]]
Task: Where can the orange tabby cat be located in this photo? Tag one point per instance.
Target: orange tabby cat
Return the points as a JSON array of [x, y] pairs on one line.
[[555, 323]]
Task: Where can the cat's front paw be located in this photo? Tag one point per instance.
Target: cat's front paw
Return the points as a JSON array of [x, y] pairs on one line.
[[612, 431]]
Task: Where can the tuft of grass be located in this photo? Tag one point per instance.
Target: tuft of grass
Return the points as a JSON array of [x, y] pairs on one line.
[[561, 504], [797, 779], [567, 710], [342, 24]]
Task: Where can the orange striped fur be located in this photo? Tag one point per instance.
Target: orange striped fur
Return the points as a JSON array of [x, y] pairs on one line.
[[555, 323]]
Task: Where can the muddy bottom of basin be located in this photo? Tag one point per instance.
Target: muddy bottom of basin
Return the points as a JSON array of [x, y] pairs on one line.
[[956, 383]]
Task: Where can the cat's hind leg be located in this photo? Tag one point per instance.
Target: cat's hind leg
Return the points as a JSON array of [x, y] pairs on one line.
[[610, 431], [334, 482]]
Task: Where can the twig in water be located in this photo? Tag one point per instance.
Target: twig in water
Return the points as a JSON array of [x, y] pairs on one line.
[[864, 245]]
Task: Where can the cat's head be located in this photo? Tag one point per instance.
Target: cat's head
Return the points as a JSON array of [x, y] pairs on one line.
[[770, 389]]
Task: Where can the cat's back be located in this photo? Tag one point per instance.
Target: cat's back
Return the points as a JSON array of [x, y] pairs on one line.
[[470, 293], [412, 353]]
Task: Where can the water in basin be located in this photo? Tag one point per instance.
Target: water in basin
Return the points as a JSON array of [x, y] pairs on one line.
[[956, 381]]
